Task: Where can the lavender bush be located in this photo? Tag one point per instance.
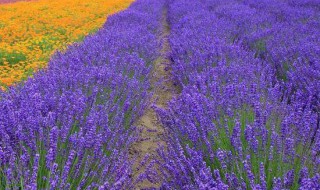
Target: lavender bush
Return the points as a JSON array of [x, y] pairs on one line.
[[248, 115], [70, 126]]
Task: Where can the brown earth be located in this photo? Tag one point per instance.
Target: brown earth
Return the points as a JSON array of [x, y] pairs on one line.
[[152, 133]]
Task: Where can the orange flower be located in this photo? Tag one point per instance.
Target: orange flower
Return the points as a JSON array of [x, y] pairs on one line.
[[27, 40]]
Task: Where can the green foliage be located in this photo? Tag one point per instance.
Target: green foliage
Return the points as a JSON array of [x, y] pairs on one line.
[[11, 57]]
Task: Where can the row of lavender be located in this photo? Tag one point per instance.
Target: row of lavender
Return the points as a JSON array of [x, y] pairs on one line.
[[70, 126], [248, 115], [284, 34]]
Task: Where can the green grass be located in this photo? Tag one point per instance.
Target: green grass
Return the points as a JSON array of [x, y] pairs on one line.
[[11, 57]]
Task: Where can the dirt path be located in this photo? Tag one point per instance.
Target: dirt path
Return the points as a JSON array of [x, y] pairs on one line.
[[152, 131]]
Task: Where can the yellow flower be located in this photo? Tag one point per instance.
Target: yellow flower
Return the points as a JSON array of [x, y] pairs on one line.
[[32, 31]]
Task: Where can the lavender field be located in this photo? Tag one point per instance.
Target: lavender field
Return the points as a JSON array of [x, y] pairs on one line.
[[173, 94]]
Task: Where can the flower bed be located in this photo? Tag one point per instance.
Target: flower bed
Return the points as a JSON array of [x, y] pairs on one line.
[[70, 126]]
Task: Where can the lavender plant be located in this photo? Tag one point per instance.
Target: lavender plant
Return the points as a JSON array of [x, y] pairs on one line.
[[242, 121], [70, 126]]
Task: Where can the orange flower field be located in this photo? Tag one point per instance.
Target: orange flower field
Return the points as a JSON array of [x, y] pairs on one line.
[[30, 32]]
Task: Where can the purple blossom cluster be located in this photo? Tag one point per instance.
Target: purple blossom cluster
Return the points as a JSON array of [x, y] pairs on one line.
[[248, 116], [70, 126]]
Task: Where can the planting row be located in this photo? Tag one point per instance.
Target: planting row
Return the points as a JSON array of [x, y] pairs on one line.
[[248, 115], [284, 34], [70, 126]]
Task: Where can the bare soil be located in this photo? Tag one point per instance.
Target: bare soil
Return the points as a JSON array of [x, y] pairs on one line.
[[152, 132]]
